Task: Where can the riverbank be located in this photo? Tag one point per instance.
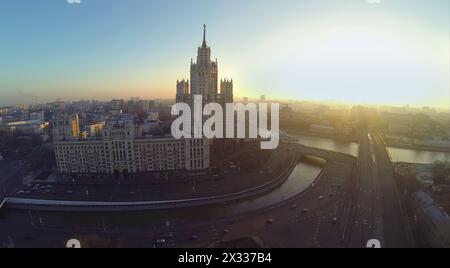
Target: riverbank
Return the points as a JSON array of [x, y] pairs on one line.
[[82, 205], [343, 138], [418, 147]]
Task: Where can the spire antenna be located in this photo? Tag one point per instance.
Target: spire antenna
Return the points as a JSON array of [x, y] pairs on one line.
[[204, 34]]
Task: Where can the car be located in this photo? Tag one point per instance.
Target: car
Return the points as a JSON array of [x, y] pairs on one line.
[[194, 237], [305, 211], [321, 197], [169, 235], [334, 220], [160, 241], [294, 206], [225, 231], [270, 221]]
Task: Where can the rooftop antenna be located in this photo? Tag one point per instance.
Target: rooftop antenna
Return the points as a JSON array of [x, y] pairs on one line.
[[204, 35]]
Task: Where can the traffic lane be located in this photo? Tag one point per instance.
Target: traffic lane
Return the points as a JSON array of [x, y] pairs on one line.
[[363, 219], [11, 176], [393, 222]]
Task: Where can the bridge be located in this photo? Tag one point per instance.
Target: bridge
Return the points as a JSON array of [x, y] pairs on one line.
[[2, 203]]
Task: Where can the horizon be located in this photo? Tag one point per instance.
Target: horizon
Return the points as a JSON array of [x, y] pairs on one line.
[[367, 51]]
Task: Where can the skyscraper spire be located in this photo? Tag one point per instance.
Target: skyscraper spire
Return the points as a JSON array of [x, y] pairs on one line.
[[204, 35]]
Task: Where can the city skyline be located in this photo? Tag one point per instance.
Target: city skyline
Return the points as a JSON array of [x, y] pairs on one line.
[[368, 52]]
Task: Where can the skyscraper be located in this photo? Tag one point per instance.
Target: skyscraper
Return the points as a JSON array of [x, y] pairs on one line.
[[204, 79]]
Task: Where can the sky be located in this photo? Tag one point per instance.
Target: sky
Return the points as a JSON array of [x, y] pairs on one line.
[[359, 51]]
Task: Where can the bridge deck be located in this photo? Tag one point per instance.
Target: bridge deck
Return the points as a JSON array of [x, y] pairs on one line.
[[2, 203]]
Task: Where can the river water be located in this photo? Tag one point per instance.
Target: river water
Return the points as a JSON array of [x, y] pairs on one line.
[[345, 147], [396, 154], [416, 156]]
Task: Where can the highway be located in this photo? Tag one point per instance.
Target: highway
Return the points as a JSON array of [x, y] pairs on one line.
[[12, 173], [395, 227], [376, 212]]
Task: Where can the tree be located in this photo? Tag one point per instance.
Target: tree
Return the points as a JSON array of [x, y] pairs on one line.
[[441, 170]]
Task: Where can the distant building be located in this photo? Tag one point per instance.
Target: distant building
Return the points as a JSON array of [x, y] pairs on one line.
[[146, 104], [38, 116], [27, 127], [322, 128], [65, 126], [432, 220], [438, 143], [57, 106], [118, 104], [23, 107], [95, 129], [398, 123], [153, 116]]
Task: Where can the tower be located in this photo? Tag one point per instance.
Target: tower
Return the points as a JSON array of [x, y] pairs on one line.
[[226, 90], [182, 91], [204, 73], [204, 79]]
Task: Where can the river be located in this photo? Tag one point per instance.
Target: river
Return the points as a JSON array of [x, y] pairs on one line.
[[416, 156], [396, 154], [345, 147]]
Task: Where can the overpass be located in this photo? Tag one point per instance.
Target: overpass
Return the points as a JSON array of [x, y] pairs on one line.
[[2, 203]]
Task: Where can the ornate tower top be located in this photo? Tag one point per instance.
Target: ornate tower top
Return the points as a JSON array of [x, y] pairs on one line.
[[204, 35]]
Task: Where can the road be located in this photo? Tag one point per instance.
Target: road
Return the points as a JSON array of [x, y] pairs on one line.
[[395, 226], [376, 212], [11, 176]]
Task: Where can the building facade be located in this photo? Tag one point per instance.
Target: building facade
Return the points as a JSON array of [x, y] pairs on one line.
[[204, 79], [122, 148]]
